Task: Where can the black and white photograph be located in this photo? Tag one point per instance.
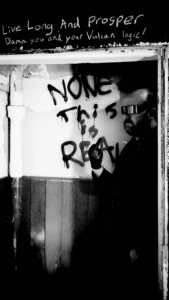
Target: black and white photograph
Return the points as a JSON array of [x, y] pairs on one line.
[[84, 156]]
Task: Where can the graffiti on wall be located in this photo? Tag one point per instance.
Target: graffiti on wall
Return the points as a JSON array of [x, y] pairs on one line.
[[97, 88], [82, 83]]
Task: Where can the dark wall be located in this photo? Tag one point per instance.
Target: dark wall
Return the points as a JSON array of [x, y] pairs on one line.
[[6, 253], [53, 30]]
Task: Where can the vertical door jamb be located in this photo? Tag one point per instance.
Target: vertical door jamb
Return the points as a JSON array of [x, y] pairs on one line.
[[163, 170]]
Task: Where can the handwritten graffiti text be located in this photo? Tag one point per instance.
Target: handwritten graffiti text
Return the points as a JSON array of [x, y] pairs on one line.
[[84, 145], [80, 82]]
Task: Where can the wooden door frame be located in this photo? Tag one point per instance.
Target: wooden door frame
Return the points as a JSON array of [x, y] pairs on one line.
[[163, 151]]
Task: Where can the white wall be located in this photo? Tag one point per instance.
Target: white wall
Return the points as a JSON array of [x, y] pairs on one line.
[[44, 132], [3, 135]]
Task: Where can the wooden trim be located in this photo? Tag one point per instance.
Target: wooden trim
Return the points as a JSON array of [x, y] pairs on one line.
[[112, 54], [162, 171], [67, 179]]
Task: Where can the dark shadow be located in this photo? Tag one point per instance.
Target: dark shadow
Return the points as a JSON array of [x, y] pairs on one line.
[[93, 254], [7, 270]]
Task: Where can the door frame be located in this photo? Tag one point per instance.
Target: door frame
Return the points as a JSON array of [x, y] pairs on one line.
[[126, 54]]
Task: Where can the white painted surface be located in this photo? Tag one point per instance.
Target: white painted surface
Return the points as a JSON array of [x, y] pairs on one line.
[[16, 115], [113, 54], [44, 132], [3, 135]]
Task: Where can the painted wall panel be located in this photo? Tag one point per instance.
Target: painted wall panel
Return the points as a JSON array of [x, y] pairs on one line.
[[67, 223], [81, 199], [68, 113], [57, 215], [38, 219], [53, 225], [24, 238]]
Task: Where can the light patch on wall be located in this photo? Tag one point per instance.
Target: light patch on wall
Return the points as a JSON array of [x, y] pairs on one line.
[[57, 71], [39, 71], [38, 97], [38, 237]]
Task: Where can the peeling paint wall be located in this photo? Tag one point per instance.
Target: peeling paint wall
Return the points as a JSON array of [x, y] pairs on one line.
[[3, 135], [5, 71]]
